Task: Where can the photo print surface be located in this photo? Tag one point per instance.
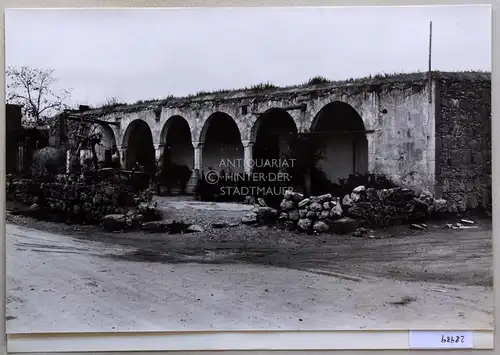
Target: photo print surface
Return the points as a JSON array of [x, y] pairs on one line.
[[248, 168]]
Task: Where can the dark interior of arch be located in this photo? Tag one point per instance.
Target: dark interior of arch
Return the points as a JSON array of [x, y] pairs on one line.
[[222, 129], [344, 154], [107, 146], [338, 117], [178, 148], [140, 148], [275, 126], [222, 147]]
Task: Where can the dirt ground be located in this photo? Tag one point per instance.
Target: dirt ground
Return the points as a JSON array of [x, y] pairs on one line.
[[441, 270]]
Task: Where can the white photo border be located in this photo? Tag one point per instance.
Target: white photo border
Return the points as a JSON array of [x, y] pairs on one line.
[[276, 342]]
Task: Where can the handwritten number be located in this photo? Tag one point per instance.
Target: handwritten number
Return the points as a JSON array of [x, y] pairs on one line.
[[452, 340]]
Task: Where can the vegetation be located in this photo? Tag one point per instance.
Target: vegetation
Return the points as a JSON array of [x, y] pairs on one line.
[[34, 89], [317, 80], [262, 87]]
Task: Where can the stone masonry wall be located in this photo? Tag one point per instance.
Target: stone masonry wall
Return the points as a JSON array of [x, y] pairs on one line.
[[77, 202], [463, 141]]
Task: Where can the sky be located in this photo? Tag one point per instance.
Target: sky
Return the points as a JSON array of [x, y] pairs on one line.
[[141, 54]]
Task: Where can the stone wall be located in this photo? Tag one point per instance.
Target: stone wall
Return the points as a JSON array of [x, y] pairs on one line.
[[367, 207], [76, 202], [463, 140]]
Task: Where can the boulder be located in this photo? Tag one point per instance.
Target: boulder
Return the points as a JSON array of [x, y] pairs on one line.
[[347, 201], [34, 208], [358, 190], [267, 215], [303, 203], [311, 214], [316, 207], [250, 218], [288, 195], [114, 222], [336, 211], [324, 215], [287, 205], [324, 198], [304, 224], [194, 228], [321, 227], [293, 215], [439, 205], [344, 225]]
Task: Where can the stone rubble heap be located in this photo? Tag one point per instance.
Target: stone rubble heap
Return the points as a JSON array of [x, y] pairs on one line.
[[366, 207], [313, 214]]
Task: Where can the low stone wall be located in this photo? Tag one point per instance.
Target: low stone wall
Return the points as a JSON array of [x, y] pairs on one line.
[[381, 208], [77, 202], [363, 207]]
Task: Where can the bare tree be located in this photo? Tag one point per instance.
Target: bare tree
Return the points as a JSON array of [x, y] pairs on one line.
[[34, 89]]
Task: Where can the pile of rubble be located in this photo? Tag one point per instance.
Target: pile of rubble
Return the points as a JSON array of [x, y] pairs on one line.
[[313, 214], [364, 206]]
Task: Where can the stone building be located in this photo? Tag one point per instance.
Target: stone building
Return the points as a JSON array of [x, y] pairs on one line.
[[429, 134]]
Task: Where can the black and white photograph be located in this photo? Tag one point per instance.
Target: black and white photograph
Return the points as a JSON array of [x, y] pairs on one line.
[[248, 168]]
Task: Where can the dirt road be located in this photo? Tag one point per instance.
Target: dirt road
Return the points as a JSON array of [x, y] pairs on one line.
[[245, 278]]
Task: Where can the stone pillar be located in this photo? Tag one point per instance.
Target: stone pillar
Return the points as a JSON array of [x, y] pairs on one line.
[[158, 151], [123, 157], [198, 154], [248, 155]]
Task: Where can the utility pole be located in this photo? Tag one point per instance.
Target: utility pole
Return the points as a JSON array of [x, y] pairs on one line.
[[430, 62]]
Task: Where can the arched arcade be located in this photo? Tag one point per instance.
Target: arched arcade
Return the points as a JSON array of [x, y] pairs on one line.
[[138, 146], [340, 133]]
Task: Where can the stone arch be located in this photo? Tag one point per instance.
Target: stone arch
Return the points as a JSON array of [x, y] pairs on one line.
[[139, 147], [107, 147], [222, 146], [176, 143], [272, 133], [340, 131]]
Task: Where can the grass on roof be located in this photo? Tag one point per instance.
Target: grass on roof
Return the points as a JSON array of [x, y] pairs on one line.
[[267, 86]]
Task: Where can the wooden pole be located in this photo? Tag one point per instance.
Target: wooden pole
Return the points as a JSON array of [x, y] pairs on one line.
[[430, 61]]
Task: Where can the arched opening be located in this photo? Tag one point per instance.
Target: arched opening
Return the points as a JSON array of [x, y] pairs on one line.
[[340, 133], [222, 147], [140, 149], [177, 158], [176, 141], [273, 133], [107, 147]]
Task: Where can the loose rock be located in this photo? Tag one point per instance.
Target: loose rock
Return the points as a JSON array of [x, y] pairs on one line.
[[344, 225], [320, 227], [194, 228]]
